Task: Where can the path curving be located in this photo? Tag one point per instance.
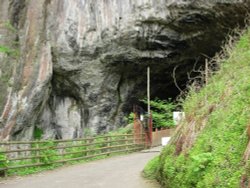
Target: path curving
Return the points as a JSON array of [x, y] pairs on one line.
[[114, 172]]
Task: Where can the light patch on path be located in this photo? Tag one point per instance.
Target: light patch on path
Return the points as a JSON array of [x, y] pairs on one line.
[[114, 172]]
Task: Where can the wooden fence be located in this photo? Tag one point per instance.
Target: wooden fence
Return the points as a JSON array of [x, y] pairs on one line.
[[26, 154]]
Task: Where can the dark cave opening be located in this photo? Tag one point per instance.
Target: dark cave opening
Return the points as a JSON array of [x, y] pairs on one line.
[[167, 81]]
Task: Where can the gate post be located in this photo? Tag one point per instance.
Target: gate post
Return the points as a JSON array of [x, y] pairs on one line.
[[150, 129]]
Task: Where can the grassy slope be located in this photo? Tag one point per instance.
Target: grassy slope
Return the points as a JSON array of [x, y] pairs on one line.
[[215, 160]]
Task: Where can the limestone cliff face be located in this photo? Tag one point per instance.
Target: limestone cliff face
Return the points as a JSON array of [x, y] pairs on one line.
[[82, 62]]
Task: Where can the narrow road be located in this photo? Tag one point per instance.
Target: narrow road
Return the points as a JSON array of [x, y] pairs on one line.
[[114, 172]]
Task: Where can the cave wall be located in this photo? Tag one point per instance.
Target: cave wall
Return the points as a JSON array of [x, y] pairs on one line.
[[83, 62]]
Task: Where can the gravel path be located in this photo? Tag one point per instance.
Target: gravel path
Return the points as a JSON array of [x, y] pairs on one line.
[[114, 172]]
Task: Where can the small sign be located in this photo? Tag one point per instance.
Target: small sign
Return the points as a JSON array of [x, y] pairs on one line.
[[178, 117], [165, 140], [141, 117]]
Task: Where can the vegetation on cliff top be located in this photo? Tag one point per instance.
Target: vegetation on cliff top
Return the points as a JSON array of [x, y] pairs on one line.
[[215, 157]]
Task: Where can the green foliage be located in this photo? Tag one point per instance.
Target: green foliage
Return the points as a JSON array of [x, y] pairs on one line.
[[10, 27], [215, 160], [38, 133], [3, 163], [3, 160], [130, 118], [48, 155], [9, 51], [87, 132], [150, 171], [123, 130], [162, 113], [10, 46], [5, 49]]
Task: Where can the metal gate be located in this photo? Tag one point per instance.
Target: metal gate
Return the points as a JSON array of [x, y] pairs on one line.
[[143, 124]]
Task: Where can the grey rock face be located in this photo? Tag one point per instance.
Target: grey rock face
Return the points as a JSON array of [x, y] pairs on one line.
[[83, 62], [62, 119]]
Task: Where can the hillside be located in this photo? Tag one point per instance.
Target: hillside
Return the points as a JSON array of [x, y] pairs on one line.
[[209, 147]]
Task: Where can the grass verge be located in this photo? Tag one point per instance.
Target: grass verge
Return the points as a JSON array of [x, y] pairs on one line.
[[215, 158]]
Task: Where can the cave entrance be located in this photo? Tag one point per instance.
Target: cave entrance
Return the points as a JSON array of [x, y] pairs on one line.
[[167, 84]]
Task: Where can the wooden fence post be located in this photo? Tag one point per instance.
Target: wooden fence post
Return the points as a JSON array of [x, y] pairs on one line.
[[126, 142], [37, 152], [108, 145], [87, 147]]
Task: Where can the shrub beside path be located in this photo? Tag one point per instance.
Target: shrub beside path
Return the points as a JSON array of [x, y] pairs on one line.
[[115, 172]]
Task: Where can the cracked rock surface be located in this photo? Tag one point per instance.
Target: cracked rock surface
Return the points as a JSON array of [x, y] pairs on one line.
[[82, 63]]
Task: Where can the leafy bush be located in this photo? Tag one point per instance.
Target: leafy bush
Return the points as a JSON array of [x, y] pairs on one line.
[[3, 160], [162, 112], [3, 163], [130, 118], [48, 155], [150, 171]]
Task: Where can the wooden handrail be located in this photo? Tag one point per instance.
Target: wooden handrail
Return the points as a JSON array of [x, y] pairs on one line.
[[67, 160], [70, 153], [92, 147], [66, 140], [64, 147]]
